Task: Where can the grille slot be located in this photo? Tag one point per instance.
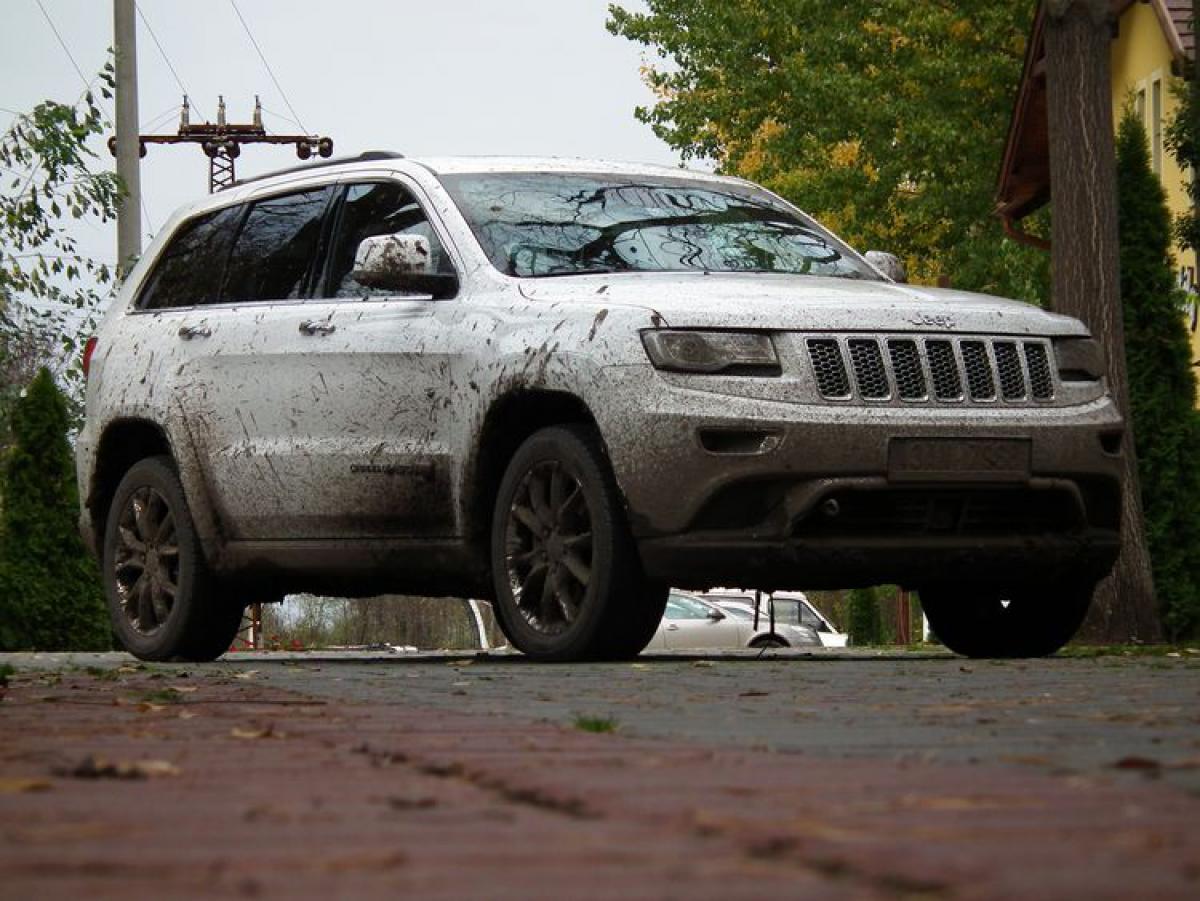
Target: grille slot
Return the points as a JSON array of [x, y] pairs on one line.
[[947, 383], [830, 369], [1038, 363], [1012, 377], [931, 369], [906, 367], [980, 381], [869, 373]]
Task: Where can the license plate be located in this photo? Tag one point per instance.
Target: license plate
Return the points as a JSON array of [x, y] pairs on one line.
[[959, 459]]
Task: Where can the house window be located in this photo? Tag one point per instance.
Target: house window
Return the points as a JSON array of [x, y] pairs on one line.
[[1139, 105], [1156, 125]]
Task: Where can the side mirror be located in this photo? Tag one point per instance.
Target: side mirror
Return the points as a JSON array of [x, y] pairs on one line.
[[400, 263], [889, 264]]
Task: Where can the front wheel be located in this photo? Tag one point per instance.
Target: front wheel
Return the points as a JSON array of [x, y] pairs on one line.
[[569, 583], [1028, 621], [160, 596]]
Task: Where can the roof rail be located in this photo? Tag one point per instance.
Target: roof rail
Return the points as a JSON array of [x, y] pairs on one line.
[[365, 157]]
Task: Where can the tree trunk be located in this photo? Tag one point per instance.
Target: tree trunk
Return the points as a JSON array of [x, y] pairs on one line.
[[1086, 272]]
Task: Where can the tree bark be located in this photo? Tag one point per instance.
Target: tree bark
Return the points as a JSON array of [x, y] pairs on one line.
[[1086, 272]]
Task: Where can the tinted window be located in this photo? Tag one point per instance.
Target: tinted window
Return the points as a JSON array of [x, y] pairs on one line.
[[276, 248], [539, 224], [383, 208], [189, 271]]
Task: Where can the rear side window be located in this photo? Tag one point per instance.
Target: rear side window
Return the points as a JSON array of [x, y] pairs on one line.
[[275, 251], [189, 271]]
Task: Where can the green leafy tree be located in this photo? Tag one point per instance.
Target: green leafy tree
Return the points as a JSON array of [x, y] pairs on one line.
[[885, 120], [47, 284], [865, 620], [1183, 140], [1162, 388], [50, 593]]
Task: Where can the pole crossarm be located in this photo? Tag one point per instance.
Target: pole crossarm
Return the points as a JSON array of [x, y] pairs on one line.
[[222, 142]]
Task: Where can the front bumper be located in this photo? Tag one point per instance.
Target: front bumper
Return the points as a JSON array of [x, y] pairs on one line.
[[730, 490]]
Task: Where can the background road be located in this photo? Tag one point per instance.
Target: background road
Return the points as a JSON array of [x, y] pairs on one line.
[[835, 774]]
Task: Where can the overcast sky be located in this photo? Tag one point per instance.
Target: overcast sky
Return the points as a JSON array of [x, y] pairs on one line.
[[540, 77]]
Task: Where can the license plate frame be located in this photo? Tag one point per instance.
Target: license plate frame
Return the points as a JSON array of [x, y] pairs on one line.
[[960, 459]]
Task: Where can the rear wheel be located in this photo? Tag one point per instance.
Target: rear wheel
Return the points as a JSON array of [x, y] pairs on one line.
[[160, 594], [569, 583], [1027, 621]]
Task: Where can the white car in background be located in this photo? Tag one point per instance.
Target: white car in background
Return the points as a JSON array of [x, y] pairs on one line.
[[691, 623], [792, 609]]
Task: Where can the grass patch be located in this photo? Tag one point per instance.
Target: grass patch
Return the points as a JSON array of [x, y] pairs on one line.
[[163, 696], [5, 671], [1086, 651], [104, 675], [599, 724]]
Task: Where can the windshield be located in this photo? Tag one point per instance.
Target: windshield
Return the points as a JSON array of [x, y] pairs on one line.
[[538, 224]]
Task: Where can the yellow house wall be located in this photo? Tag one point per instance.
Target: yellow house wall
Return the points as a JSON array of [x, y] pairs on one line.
[[1140, 55]]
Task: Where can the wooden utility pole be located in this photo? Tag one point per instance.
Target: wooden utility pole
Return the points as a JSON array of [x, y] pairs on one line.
[[1086, 271], [126, 145]]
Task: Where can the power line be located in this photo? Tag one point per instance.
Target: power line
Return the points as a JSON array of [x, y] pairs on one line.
[[266, 65], [87, 85], [161, 51]]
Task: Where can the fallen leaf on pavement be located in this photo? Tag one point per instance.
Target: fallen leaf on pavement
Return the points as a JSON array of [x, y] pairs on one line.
[[16, 786], [182, 689], [248, 674], [255, 733], [93, 767], [147, 707], [1137, 763]]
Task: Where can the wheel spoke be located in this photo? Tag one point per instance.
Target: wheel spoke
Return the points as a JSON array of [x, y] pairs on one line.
[[571, 499], [161, 608], [577, 568], [558, 484], [538, 498], [526, 517], [549, 595], [168, 550], [130, 541], [581, 542], [567, 605], [530, 579], [145, 607], [166, 528]]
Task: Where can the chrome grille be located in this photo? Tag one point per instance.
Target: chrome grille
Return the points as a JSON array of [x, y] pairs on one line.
[[915, 369]]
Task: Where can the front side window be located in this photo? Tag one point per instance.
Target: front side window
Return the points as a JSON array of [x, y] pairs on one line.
[[276, 249], [380, 208], [681, 607], [188, 273], [542, 224]]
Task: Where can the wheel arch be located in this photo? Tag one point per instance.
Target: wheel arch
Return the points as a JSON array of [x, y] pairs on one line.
[[509, 421], [122, 444]]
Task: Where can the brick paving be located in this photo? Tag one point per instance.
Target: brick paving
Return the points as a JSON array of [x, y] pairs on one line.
[[254, 789]]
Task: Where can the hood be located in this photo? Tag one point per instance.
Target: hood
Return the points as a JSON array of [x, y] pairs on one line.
[[802, 303]]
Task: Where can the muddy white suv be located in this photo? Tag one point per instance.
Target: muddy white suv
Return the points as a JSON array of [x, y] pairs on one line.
[[566, 386]]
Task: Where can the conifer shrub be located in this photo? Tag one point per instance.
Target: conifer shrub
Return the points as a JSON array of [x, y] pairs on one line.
[[1162, 386], [51, 598], [866, 621]]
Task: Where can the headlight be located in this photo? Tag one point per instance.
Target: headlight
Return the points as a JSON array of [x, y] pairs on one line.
[[750, 353], [1079, 359]]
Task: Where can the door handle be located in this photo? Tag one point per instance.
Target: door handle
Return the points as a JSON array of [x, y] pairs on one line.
[[672, 628], [316, 327], [188, 332]]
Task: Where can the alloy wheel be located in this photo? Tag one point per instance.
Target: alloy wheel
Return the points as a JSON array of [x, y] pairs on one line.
[[548, 548], [146, 563]]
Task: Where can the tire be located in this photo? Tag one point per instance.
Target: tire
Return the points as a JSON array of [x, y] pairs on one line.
[[559, 532], [1027, 621], [174, 612], [772, 642]]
